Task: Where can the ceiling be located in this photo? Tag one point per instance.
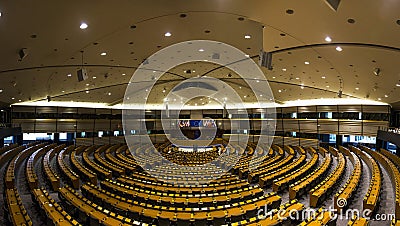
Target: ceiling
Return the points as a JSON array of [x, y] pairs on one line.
[[368, 31]]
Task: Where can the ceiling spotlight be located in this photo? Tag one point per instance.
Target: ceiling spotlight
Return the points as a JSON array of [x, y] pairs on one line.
[[283, 69], [1, 90], [302, 87], [247, 55], [328, 39], [87, 91], [94, 77], [247, 37], [83, 26], [201, 50], [1, 14], [103, 53], [306, 62], [168, 34], [164, 90], [69, 75], [297, 78], [398, 85], [339, 49], [109, 94], [386, 95], [12, 98], [379, 98], [357, 88], [327, 86], [280, 91], [323, 77], [377, 71]]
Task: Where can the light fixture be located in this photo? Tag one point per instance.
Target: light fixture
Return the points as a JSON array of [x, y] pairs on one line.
[[323, 77], [164, 90], [379, 98], [12, 98], [83, 26], [103, 53], [339, 49], [87, 84], [123, 74], [398, 85], [1, 14], [302, 87], [19, 100], [357, 88], [247, 55], [247, 37], [109, 94], [69, 75], [201, 50], [94, 77], [273, 77], [168, 34], [306, 62], [63, 91], [327, 86], [297, 78], [386, 95], [280, 91], [328, 39], [1, 90], [283, 69]]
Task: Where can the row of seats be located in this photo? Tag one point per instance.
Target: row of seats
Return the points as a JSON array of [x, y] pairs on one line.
[[393, 173], [346, 192], [68, 174], [51, 175], [147, 212], [53, 212], [181, 200], [30, 166], [264, 169], [84, 172], [371, 199], [306, 183], [279, 216], [129, 167], [116, 170], [326, 187], [89, 213], [284, 181], [267, 178], [101, 172]]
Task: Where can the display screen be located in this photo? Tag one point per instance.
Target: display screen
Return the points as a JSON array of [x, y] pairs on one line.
[[208, 123]]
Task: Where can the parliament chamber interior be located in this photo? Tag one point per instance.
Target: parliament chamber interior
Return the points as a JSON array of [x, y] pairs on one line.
[[200, 113]]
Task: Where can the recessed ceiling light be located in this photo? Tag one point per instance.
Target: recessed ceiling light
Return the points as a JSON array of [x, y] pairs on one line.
[[323, 77], [83, 26], [327, 86], [63, 91], [201, 50], [1, 90], [247, 55], [397, 84], [247, 36], [123, 74], [306, 62], [273, 77], [386, 95], [94, 77], [297, 78], [357, 88], [283, 69], [240, 87], [328, 39], [302, 87], [168, 34], [339, 49], [87, 91], [12, 98], [109, 94], [379, 98], [280, 91], [87, 84], [69, 75], [19, 100], [1, 14], [103, 53]]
